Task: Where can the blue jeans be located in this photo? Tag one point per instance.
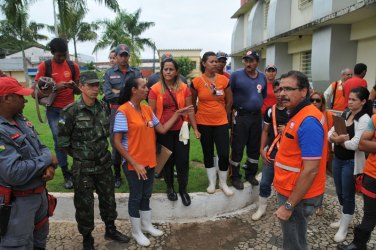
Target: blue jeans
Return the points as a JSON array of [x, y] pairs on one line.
[[267, 179], [53, 119], [343, 175], [295, 229], [139, 191]]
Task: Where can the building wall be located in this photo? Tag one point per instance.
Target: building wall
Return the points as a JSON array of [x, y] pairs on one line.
[[255, 31], [19, 75], [298, 16], [366, 53], [278, 10]]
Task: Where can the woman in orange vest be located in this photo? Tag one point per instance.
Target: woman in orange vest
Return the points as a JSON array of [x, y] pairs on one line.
[[362, 232], [165, 97], [135, 126], [348, 159], [214, 104], [318, 100]]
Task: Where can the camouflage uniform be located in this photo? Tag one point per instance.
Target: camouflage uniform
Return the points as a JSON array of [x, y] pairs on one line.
[[84, 130]]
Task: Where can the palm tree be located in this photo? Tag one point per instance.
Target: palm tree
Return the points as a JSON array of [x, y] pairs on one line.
[[126, 28], [18, 27], [77, 30]]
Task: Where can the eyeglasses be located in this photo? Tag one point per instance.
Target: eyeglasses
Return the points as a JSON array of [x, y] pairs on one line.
[[317, 100], [348, 74], [286, 89]]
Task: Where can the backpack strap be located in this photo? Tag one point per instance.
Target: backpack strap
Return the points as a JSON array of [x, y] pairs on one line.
[[72, 69], [334, 94], [48, 70]]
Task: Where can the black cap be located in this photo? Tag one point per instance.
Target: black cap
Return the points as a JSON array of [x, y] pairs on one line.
[[122, 48], [251, 55], [88, 77]]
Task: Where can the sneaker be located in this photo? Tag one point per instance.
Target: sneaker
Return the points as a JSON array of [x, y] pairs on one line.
[[238, 184], [117, 182], [68, 184]]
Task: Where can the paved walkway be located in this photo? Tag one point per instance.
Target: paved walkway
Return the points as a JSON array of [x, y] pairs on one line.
[[236, 231]]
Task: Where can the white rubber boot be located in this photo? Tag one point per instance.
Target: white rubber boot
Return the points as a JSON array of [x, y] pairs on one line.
[[212, 177], [137, 233], [223, 183], [146, 225], [336, 224], [262, 204], [343, 226]]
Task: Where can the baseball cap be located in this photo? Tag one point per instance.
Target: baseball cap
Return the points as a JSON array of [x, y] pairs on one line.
[[270, 66], [88, 77], [9, 85], [251, 55], [166, 56], [221, 54], [122, 48]]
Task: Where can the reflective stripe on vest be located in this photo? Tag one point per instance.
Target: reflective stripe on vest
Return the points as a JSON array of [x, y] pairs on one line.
[[288, 168]]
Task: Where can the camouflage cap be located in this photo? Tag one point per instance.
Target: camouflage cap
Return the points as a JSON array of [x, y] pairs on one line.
[[88, 77]]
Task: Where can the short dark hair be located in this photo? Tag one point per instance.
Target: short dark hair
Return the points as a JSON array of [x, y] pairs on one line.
[[205, 58], [58, 45], [302, 79], [276, 83], [359, 68]]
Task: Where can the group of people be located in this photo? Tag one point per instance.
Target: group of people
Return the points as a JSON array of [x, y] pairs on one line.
[[282, 120]]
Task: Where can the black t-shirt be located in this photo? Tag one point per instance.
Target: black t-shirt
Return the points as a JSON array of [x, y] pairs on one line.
[[343, 153], [281, 118]]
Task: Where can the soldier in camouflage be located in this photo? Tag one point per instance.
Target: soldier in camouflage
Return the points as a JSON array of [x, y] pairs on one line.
[[83, 132]]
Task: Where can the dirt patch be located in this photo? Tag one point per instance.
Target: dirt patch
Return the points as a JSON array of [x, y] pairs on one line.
[[224, 234]]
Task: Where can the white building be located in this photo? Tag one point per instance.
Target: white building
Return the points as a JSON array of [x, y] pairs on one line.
[[317, 37]]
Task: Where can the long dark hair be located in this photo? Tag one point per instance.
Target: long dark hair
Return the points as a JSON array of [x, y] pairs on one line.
[[363, 94], [177, 81], [204, 59], [126, 93]]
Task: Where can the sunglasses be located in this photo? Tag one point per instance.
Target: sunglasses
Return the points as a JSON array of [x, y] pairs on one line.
[[317, 100]]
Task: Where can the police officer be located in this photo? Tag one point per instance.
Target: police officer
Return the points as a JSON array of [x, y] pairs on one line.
[[248, 87], [114, 81], [25, 166], [82, 132]]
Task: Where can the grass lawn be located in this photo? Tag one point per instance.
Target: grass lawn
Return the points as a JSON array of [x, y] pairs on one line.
[[197, 174]]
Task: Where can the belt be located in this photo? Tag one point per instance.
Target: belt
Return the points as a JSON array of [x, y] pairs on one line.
[[37, 190], [114, 106], [99, 162], [248, 112]]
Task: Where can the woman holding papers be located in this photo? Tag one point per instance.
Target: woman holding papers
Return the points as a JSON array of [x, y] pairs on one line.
[[165, 97], [348, 160]]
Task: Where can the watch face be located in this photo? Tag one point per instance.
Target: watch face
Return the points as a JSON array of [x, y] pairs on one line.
[[288, 205]]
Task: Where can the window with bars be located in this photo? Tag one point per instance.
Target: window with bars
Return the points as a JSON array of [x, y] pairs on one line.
[[305, 63], [266, 11], [304, 3]]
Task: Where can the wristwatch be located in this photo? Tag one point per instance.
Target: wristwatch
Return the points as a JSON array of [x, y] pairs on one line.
[[288, 206]]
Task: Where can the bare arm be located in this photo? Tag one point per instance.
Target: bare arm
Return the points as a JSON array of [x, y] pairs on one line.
[[163, 128], [153, 105], [264, 141], [367, 142], [228, 99], [192, 117], [194, 98]]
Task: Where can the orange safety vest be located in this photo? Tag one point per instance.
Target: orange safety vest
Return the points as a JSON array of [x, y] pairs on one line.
[[370, 166], [180, 98], [141, 135], [288, 163], [339, 100]]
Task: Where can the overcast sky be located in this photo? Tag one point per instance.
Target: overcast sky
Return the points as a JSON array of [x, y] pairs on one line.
[[179, 24]]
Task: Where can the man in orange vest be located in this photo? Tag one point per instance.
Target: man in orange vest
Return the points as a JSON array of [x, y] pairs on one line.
[[299, 166], [334, 95]]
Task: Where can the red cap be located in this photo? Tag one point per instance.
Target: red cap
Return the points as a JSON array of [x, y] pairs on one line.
[[9, 85]]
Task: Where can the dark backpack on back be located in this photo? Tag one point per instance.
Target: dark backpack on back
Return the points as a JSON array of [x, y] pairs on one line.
[[48, 71]]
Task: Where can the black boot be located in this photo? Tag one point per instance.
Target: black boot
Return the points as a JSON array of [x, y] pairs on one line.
[[68, 183], [171, 194], [251, 179], [361, 238], [250, 173], [39, 248], [88, 242], [237, 183], [185, 198], [113, 234]]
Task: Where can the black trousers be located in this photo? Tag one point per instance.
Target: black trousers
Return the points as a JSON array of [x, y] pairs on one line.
[[369, 217], [246, 131], [219, 136], [179, 158]]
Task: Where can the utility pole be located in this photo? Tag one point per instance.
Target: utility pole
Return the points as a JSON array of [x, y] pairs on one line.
[[154, 58], [55, 19]]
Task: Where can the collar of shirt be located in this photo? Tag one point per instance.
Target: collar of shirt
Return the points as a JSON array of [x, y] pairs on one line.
[[82, 105], [116, 68]]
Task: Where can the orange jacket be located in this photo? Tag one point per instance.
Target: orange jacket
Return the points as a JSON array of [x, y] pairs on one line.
[[180, 98], [141, 135], [370, 167], [339, 103], [289, 164]]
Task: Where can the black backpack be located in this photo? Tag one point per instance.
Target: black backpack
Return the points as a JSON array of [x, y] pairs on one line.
[[48, 71]]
